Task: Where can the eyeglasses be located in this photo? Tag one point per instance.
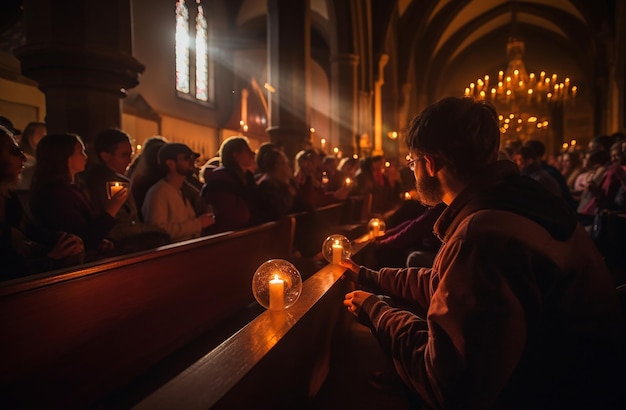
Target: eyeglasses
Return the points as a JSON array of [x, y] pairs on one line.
[[411, 163]]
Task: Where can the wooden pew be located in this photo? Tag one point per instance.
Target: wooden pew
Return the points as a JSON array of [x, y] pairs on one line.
[[279, 360], [69, 338]]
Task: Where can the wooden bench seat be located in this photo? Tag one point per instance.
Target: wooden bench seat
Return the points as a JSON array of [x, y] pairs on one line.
[[68, 338]]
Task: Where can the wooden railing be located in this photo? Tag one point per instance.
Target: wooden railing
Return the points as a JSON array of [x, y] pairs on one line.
[[69, 338], [278, 360]]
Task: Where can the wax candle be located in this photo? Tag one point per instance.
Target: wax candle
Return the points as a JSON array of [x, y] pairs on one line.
[[407, 196], [337, 252], [375, 229], [115, 188], [348, 182], [277, 293]]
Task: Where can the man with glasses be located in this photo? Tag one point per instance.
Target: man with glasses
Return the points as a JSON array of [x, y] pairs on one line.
[[114, 152], [165, 205], [518, 310]]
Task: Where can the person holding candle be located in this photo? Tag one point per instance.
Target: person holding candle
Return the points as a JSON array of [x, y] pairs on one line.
[[104, 178], [58, 202], [519, 309]]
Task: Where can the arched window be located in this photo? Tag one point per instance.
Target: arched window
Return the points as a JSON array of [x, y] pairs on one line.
[[195, 84]]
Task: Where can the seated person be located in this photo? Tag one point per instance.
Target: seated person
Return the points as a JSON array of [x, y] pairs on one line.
[[114, 151], [278, 196], [371, 179], [166, 206], [33, 133], [231, 188], [413, 235], [309, 183], [24, 247], [58, 203], [145, 170], [603, 195], [530, 165]]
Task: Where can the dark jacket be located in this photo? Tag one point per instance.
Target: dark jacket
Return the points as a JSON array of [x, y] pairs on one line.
[[61, 206], [518, 310], [233, 197], [24, 245], [128, 233]]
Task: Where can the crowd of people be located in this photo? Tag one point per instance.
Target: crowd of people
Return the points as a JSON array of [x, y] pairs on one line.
[[165, 195], [486, 291], [118, 202]]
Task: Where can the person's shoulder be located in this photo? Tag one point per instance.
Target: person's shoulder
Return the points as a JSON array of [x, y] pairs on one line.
[[158, 187]]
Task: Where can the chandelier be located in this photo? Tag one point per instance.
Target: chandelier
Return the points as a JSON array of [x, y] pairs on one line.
[[524, 101], [516, 87]]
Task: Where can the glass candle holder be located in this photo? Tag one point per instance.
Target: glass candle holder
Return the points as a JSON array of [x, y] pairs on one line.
[[376, 227], [113, 187], [276, 284], [336, 248]]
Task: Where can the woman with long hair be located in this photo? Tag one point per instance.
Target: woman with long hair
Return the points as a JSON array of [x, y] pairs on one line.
[[57, 203], [33, 133]]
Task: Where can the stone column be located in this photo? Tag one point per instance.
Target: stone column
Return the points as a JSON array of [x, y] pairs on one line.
[[344, 102], [378, 105], [80, 53], [289, 54]]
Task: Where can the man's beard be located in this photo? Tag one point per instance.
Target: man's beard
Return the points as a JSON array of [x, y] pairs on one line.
[[429, 191], [185, 171]]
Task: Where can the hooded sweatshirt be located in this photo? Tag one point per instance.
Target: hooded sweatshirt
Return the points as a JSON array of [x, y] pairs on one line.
[[518, 310]]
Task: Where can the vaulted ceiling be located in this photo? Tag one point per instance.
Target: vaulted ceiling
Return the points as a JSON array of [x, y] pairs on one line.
[[442, 45], [450, 43]]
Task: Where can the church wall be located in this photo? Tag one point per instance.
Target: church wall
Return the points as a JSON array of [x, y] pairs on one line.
[[22, 103], [190, 122]]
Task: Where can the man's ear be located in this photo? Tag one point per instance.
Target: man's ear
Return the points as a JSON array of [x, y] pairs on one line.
[[170, 163], [431, 165], [105, 157]]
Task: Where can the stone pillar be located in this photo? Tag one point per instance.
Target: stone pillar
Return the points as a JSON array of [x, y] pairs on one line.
[[378, 105], [289, 54], [80, 53], [344, 102]]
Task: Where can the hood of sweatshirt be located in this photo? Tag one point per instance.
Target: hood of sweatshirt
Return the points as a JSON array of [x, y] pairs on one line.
[[500, 187]]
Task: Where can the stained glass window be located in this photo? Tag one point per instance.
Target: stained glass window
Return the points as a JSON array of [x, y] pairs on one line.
[[202, 71], [182, 47], [193, 50]]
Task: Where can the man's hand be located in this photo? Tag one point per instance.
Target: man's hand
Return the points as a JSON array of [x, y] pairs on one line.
[[353, 269], [116, 201], [354, 301]]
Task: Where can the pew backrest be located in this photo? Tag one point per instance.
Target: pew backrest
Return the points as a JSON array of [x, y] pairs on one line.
[[76, 335]]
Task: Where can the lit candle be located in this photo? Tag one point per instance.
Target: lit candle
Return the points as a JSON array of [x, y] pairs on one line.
[[337, 252], [114, 188], [407, 196], [348, 182], [277, 293], [375, 229]]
